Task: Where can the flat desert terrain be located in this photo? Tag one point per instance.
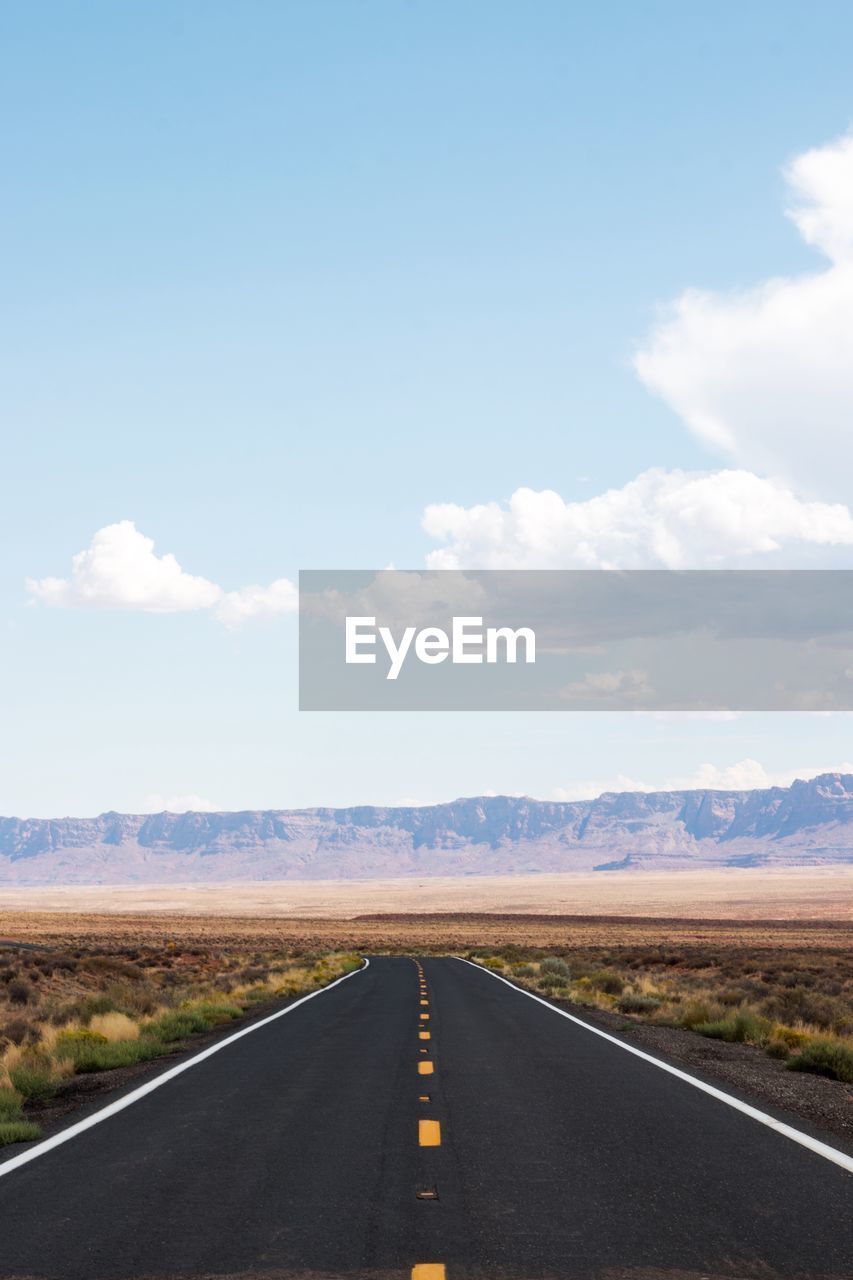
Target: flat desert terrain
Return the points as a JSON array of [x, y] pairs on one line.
[[822, 893]]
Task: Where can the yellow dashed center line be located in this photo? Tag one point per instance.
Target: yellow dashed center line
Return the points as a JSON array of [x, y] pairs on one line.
[[429, 1133]]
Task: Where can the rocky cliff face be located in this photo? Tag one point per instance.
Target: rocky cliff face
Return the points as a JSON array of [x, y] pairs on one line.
[[808, 823]]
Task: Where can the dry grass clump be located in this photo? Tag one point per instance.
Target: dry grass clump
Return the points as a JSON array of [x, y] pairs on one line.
[[114, 1026], [76, 1011], [796, 1004]]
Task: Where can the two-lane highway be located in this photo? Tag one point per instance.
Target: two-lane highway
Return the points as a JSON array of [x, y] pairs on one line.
[[424, 1120]]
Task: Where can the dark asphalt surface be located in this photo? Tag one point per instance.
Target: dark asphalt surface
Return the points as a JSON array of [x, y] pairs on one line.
[[294, 1153]]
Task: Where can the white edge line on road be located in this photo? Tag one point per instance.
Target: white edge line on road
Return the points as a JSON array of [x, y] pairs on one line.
[[113, 1108], [787, 1131]]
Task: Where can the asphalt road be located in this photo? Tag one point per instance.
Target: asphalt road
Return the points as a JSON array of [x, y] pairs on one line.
[[300, 1150]]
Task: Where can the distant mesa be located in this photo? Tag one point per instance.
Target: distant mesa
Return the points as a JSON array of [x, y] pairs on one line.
[[806, 824]]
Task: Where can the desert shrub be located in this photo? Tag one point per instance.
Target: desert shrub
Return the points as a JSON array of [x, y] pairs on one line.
[[523, 970], [554, 964], [742, 1027], [585, 998], [256, 994], [796, 978], [19, 991], [10, 1104], [114, 967], [92, 1005], [695, 1013], [215, 1013], [721, 1029], [254, 973], [553, 981], [793, 1037], [175, 1024], [492, 962], [104, 1055], [777, 1048], [636, 1002], [17, 1031], [825, 1058], [798, 1004], [18, 1131], [134, 999], [609, 983], [81, 1036], [732, 996], [33, 1078]]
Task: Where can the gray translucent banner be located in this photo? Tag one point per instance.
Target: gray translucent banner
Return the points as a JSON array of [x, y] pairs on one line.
[[575, 640]]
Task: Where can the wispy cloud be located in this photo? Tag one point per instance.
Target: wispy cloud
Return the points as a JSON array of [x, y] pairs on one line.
[[743, 775], [178, 804]]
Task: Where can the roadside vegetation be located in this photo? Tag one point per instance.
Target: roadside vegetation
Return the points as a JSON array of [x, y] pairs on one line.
[[796, 1006], [66, 1013]]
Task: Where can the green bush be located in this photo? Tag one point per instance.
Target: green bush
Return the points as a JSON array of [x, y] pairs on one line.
[[10, 1104], [610, 983], [742, 1027], [18, 1131], [585, 998], [216, 1013], [553, 981], [174, 1025], [801, 1005], [825, 1058], [635, 1002], [88, 1055], [256, 995], [34, 1079], [732, 996], [83, 1036], [696, 1013], [524, 970], [90, 1005], [553, 964]]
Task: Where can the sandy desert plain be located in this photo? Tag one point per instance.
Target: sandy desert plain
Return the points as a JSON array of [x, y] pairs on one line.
[[800, 893]]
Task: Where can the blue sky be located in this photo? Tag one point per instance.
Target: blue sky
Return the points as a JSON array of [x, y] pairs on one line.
[[277, 277]]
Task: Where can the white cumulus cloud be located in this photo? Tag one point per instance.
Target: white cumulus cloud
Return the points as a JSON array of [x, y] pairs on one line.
[[661, 519], [251, 603], [765, 375], [121, 570]]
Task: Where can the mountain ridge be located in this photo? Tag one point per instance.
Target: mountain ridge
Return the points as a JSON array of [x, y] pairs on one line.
[[809, 823]]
